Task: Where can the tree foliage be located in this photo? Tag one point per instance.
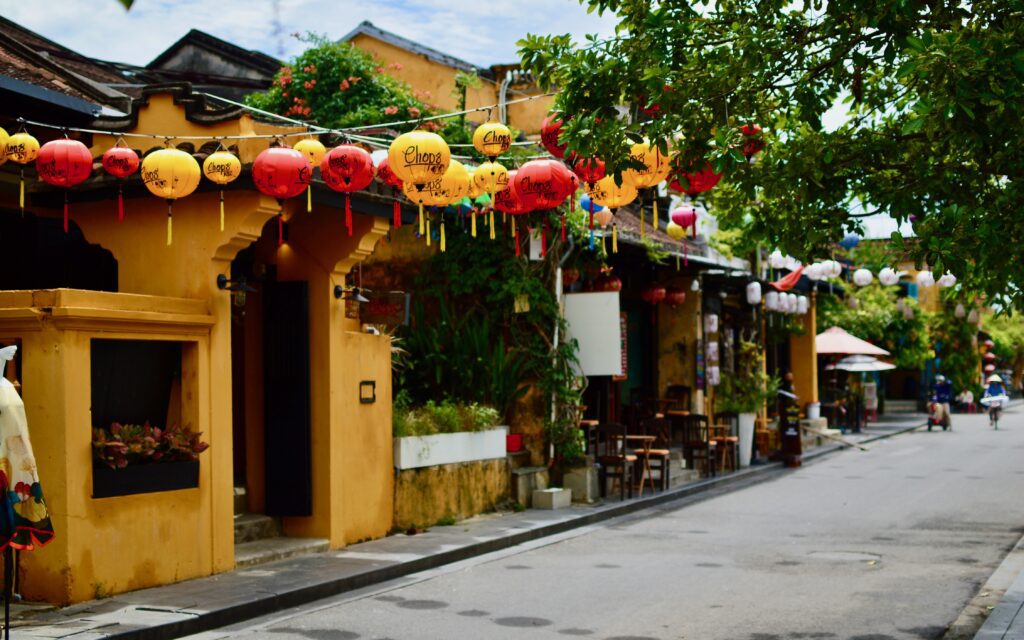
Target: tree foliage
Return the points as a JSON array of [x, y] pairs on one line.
[[933, 92]]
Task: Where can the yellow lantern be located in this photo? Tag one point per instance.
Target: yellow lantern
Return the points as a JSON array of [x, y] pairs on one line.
[[4, 138], [492, 139], [675, 231], [608, 194], [475, 190], [222, 167], [418, 157], [315, 151], [491, 177], [23, 149], [657, 166], [170, 174]]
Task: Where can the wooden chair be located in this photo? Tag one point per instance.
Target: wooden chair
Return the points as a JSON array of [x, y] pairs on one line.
[[728, 443], [658, 456], [614, 459], [696, 440], [679, 395]]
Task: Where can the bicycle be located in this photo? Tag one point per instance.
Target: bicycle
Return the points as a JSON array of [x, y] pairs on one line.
[[995, 408]]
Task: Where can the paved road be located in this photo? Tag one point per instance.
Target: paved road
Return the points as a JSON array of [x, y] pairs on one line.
[[888, 544]]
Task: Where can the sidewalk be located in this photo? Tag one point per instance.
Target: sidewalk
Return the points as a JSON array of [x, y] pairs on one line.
[[190, 607]]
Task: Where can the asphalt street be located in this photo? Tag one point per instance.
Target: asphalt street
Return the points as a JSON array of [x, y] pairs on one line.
[[887, 544]]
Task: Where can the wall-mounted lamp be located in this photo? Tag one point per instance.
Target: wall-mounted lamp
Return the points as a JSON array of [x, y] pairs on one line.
[[238, 288], [354, 293]]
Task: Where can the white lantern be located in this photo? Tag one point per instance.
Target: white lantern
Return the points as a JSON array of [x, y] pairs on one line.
[[947, 280], [959, 312], [791, 303], [802, 305], [814, 271], [925, 279], [835, 269], [862, 277], [972, 317], [695, 285], [792, 263], [754, 293], [777, 260], [771, 301], [888, 276]]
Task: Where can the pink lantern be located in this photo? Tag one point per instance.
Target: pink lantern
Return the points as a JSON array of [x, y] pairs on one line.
[[675, 297], [685, 216], [654, 293]]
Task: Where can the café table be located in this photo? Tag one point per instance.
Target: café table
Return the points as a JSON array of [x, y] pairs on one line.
[[644, 451]]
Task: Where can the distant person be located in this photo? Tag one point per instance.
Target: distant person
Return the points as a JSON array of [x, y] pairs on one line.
[[995, 391], [966, 401], [942, 396]]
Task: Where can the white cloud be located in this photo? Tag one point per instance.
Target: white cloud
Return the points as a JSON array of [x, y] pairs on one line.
[[482, 33]]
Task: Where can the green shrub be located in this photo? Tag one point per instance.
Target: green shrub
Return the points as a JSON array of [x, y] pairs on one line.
[[446, 417]]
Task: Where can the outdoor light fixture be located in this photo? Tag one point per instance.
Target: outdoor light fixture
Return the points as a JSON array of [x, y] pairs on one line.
[[354, 293], [238, 288]]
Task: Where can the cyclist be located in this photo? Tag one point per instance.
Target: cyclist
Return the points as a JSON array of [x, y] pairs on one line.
[[995, 390]]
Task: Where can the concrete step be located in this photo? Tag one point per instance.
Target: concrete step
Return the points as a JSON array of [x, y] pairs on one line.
[[241, 501], [250, 527], [518, 460], [901, 406], [250, 554]]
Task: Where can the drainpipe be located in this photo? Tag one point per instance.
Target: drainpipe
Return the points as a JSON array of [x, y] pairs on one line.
[[502, 98], [558, 322]]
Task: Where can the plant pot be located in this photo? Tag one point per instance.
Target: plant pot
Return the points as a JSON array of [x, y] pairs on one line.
[[746, 428], [144, 478]]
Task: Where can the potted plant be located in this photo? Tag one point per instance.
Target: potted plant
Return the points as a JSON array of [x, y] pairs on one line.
[[744, 393], [131, 458]]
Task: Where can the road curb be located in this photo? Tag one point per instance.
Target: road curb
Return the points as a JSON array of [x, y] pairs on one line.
[[236, 613]]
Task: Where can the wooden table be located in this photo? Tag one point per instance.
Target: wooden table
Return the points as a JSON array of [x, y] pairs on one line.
[[588, 427], [645, 469]]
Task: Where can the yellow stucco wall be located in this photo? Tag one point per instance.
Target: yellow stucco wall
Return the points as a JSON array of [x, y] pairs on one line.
[[803, 357], [112, 545], [677, 336]]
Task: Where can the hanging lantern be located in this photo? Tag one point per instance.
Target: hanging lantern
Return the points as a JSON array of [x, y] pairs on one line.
[[675, 231], [590, 171], [695, 285], [947, 280], [753, 142], [754, 293], [771, 300], [314, 151], [888, 276], [675, 297], [608, 282], [696, 182], [925, 279], [21, 148], [418, 157], [973, 316], [990, 368], [835, 269], [64, 163], [388, 177], [959, 311], [989, 357], [120, 162], [603, 217], [792, 263], [222, 167], [492, 139], [475, 191], [656, 166], [550, 130], [508, 199], [776, 260], [803, 304], [862, 277], [538, 184], [170, 174], [4, 139], [491, 177], [814, 272], [608, 194], [653, 293], [281, 173], [347, 168], [685, 216], [989, 344]]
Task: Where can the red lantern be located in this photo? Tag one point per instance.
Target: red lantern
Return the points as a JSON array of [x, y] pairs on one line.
[[589, 170], [347, 168], [550, 130], [388, 177], [990, 368], [570, 276], [653, 293], [989, 357], [699, 182], [281, 172], [675, 297], [753, 143], [64, 163], [608, 283], [989, 344], [508, 200], [120, 162], [685, 216], [539, 184]]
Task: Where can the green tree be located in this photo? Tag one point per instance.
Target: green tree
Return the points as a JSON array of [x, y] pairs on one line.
[[1008, 333], [933, 92], [956, 351], [877, 320]]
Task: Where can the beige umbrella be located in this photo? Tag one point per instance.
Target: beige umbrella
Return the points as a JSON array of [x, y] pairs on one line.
[[837, 341]]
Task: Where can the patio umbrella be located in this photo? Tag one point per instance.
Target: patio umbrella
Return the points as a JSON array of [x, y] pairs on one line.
[[836, 341], [861, 364]]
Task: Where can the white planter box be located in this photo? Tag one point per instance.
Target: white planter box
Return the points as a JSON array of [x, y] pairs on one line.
[[414, 452], [552, 498]]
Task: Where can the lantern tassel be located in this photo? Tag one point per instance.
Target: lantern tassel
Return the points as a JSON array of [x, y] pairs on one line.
[[428, 232], [643, 233], [120, 204], [444, 246], [654, 222], [221, 209], [472, 223], [591, 215], [397, 215], [544, 240], [170, 222], [421, 220], [604, 245], [492, 224], [591, 239], [280, 229], [677, 262], [563, 226], [615, 238], [21, 192], [309, 200], [516, 236], [348, 214], [65, 212]]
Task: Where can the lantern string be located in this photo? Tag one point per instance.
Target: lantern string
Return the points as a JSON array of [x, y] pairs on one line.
[[421, 218], [21, 192], [443, 244], [170, 222], [615, 238], [221, 209], [348, 214], [120, 204], [309, 199], [428, 232], [65, 211], [472, 223]]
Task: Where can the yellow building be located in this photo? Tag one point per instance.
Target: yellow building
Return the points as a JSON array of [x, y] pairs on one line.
[[292, 397], [432, 75]]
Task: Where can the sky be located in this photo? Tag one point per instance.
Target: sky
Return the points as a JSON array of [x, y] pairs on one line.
[[480, 32]]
